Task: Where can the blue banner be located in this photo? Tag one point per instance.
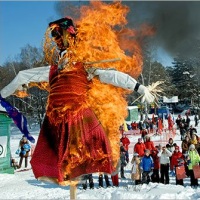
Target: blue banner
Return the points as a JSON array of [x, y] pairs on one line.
[[18, 118]]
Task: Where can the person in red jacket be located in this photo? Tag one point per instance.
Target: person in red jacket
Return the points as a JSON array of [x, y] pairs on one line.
[[177, 160], [149, 144], [139, 148], [155, 176], [126, 143]]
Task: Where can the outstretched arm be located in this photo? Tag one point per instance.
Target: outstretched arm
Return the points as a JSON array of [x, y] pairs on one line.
[[38, 74], [120, 79]]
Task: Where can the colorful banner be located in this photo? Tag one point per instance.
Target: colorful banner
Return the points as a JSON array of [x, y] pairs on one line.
[[18, 118]]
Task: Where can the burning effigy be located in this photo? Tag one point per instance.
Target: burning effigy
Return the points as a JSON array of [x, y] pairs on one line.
[[90, 75]]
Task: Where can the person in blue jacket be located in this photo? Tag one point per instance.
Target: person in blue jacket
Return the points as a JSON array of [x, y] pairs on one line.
[[146, 166], [25, 148]]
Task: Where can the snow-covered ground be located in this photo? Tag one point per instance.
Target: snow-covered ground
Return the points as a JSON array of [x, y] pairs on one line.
[[23, 185]]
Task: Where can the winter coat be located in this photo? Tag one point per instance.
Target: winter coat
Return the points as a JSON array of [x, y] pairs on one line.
[[135, 171], [149, 145], [123, 159], [125, 142], [171, 147], [139, 148], [24, 148], [177, 159], [156, 159], [185, 146], [147, 163], [144, 132], [194, 158], [194, 141], [122, 156], [164, 156]]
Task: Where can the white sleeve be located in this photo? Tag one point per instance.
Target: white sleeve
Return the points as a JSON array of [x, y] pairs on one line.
[[125, 81], [38, 74], [116, 78]]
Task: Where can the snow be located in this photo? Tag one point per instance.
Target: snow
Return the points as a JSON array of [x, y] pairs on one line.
[[23, 185]]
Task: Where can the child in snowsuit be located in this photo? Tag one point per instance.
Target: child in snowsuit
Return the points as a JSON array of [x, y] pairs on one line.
[[24, 147], [135, 171], [146, 167], [177, 159]]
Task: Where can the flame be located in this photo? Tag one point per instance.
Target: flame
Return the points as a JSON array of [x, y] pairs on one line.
[[99, 39], [102, 35], [21, 93]]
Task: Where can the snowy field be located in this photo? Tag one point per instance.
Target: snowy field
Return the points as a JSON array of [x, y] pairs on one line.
[[23, 185]]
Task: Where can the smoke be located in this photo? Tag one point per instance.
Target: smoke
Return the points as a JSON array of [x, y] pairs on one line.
[[177, 24]]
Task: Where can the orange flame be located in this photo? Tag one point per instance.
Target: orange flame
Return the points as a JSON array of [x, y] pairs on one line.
[[102, 34]]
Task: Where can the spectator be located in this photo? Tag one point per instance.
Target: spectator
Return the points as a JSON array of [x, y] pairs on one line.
[[122, 160], [155, 176], [185, 144], [144, 132], [146, 166], [185, 148], [177, 160], [178, 120], [91, 182], [115, 177], [135, 170], [192, 130], [196, 119], [149, 144], [106, 180], [187, 121], [194, 139], [183, 130], [193, 159], [134, 125], [24, 147], [164, 155], [139, 148], [171, 145], [126, 143]]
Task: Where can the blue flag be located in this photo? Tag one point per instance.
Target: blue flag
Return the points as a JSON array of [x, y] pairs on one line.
[[18, 118]]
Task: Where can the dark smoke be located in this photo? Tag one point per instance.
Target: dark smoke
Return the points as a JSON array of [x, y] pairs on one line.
[[177, 23]]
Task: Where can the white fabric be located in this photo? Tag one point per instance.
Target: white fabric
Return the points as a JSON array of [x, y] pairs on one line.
[[123, 80], [134, 168], [174, 99], [110, 76], [38, 74], [116, 78], [164, 156], [3, 146]]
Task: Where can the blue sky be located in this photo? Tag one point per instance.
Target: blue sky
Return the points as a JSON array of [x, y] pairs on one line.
[[23, 22]]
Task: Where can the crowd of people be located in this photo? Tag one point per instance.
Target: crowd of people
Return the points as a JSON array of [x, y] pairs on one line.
[[157, 163], [150, 162]]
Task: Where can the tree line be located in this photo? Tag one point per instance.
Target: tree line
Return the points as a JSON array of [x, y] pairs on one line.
[[180, 79]]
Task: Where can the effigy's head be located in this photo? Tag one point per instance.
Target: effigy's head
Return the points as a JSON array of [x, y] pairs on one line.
[[57, 37], [61, 30]]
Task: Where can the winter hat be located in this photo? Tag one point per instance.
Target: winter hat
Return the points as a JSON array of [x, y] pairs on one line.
[[135, 154], [191, 147]]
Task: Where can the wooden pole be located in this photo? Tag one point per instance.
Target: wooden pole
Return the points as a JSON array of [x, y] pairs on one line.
[[103, 61], [73, 192]]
